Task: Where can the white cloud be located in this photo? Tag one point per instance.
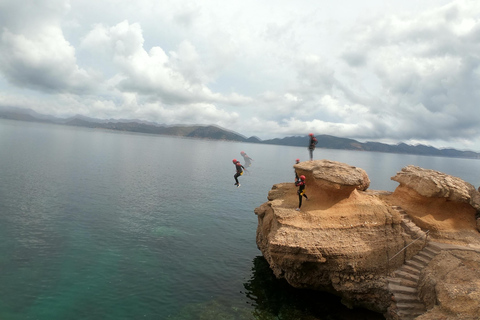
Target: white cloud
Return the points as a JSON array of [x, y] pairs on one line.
[[46, 62], [174, 78], [427, 67], [385, 71], [33, 51]]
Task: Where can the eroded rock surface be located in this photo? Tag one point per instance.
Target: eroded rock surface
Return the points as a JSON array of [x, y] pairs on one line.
[[345, 239], [454, 278], [326, 174], [447, 206], [434, 184]]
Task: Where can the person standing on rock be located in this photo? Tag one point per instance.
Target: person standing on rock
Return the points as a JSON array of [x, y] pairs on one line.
[[296, 174], [247, 159], [239, 172], [311, 145], [301, 191]]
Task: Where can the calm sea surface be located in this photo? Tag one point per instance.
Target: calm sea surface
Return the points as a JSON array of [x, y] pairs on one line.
[[100, 224]]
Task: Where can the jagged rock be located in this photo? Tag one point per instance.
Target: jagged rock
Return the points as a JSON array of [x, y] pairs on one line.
[[434, 184], [438, 202], [344, 238]]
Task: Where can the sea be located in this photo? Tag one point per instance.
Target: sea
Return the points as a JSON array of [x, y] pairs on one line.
[[98, 224]]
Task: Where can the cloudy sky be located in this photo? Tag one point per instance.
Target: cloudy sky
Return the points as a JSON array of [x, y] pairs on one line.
[[372, 70]]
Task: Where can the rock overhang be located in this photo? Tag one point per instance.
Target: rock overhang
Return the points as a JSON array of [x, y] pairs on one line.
[[344, 237]]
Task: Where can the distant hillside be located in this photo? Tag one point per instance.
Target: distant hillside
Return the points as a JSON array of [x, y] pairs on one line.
[[217, 133], [331, 142], [205, 132]]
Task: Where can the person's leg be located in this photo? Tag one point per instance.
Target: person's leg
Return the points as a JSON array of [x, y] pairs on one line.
[[236, 176]]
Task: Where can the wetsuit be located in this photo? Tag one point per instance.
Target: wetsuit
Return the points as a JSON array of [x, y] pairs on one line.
[[311, 146], [301, 191], [240, 168]]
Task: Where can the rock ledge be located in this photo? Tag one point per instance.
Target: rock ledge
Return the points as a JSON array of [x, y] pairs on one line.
[[348, 240]]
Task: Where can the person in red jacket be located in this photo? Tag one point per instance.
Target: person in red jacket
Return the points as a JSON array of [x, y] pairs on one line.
[[301, 191], [239, 172]]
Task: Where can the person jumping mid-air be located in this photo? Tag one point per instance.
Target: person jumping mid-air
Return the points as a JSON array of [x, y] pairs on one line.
[[247, 159], [312, 144], [296, 175], [239, 172], [301, 191]]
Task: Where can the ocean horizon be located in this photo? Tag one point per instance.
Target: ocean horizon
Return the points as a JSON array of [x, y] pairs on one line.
[[99, 224]]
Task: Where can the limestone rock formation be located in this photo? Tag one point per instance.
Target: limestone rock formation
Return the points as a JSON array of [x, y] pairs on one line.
[[334, 175], [348, 240], [441, 203], [434, 184]]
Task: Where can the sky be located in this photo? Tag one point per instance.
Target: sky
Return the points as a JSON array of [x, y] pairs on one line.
[[373, 70]]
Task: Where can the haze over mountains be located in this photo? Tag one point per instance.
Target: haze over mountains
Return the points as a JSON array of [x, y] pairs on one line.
[[218, 133]]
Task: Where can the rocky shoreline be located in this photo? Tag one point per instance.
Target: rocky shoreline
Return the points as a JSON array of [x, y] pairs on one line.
[[409, 254]]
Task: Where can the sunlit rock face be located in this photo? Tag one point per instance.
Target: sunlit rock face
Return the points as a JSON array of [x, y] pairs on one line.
[[333, 175], [341, 240], [346, 238], [434, 184], [445, 205]]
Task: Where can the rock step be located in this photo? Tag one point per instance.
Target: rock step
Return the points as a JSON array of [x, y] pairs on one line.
[[404, 298], [403, 282], [433, 247], [414, 306], [426, 255], [420, 259], [414, 265], [430, 251], [410, 225], [407, 276], [410, 270], [411, 228], [396, 288]]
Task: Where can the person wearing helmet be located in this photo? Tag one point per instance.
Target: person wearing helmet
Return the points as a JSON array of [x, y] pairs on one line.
[[247, 159], [239, 172], [312, 144], [297, 161], [301, 191]]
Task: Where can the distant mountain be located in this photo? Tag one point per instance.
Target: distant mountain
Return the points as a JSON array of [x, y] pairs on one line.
[[205, 132], [217, 133], [331, 142], [324, 141], [24, 115]]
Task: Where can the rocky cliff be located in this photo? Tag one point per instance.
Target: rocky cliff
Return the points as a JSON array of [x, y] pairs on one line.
[[352, 242]]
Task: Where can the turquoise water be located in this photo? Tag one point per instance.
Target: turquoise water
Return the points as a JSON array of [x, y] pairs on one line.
[[100, 224]]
